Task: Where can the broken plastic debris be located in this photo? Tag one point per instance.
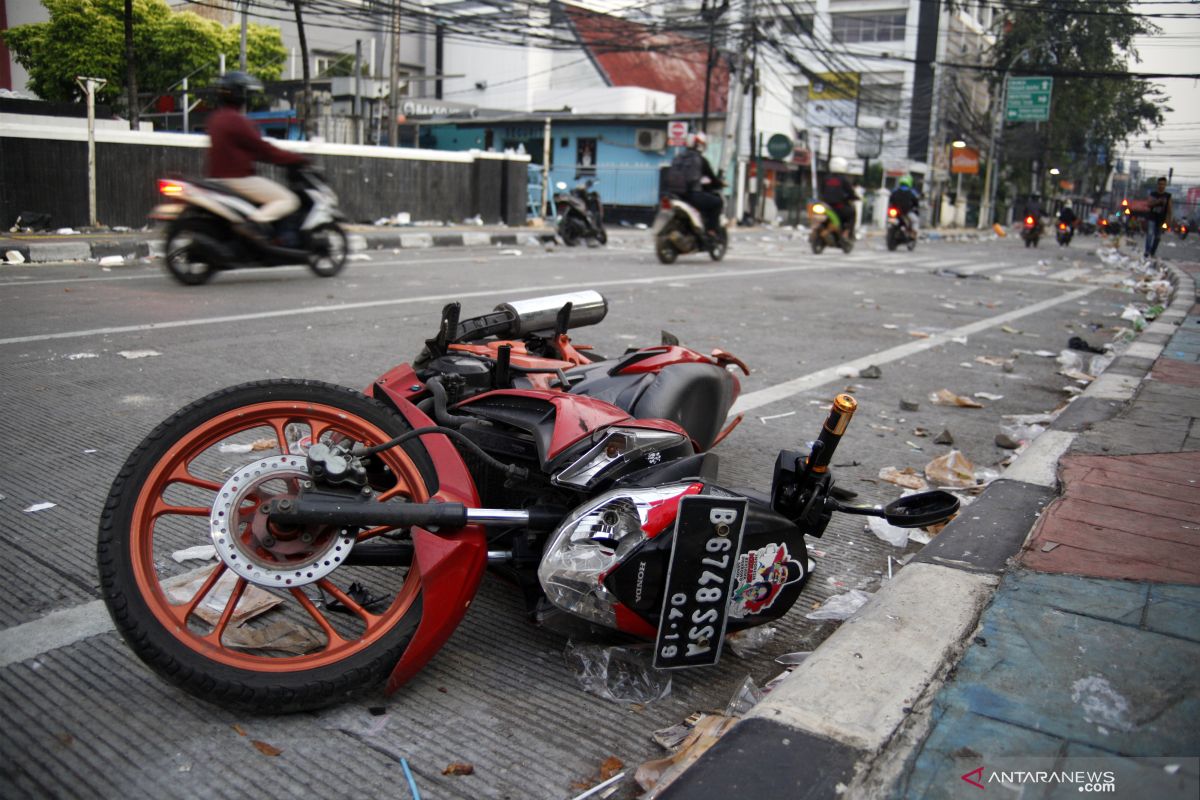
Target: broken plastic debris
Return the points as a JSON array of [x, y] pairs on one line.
[[1009, 329], [14, 257], [945, 397], [79, 356], [993, 361], [989, 396], [896, 537], [671, 737], [745, 697], [840, 606], [112, 261], [138, 353], [908, 477], [745, 643], [512, 252], [201, 552], [39, 507], [257, 444], [793, 659], [1048, 546], [655, 776], [847, 372], [951, 469], [620, 674]]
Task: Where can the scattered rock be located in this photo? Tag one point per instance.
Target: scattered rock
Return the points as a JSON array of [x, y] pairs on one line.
[[1006, 441], [909, 405], [871, 372], [944, 437]]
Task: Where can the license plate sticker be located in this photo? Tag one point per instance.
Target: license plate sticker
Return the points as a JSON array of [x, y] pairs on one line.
[[704, 553]]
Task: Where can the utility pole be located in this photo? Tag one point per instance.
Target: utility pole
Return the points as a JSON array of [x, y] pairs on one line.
[[306, 109], [245, 23], [546, 143], [709, 14], [130, 68], [394, 79], [358, 122], [90, 85]]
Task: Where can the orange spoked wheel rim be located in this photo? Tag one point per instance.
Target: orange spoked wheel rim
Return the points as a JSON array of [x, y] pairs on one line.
[[277, 599]]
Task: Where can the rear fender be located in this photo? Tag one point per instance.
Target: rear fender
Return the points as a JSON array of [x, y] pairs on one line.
[[450, 564]]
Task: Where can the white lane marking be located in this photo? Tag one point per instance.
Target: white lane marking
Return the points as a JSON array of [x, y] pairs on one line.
[[804, 383], [328, 309], [56, 629]]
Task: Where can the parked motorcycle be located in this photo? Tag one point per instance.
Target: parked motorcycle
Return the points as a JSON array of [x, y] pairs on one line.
[[1063, 233], [899, 231], [1031, 231], [679, 229], [203, 218], [580, 214], [824, 234]]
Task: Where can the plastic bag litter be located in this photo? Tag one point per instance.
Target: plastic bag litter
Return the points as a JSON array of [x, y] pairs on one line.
[[1135, 316], [1098, 364], [1023, 433], [745, 643], [201, 552], [620, 674], [841, 606], [14, 257], [945, 397], [951, 469], [744, 698], [655, 776], [896, 537], [1070, 360], [908, 477]]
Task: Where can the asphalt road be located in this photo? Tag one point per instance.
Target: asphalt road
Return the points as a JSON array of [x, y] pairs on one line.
[[81, 715]]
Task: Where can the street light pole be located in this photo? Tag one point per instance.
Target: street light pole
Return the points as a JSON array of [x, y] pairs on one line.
[[992, 175]]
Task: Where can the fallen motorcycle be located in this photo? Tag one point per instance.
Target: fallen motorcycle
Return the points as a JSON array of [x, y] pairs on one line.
[[351, 530]]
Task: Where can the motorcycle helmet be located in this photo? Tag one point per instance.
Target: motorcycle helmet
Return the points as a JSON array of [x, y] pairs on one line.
[[234, 88], [838, 164], [698, 141], [906, 181]]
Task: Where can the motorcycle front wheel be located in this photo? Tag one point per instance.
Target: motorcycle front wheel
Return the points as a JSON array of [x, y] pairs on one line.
[[329, 250], [281, 622], [568, 233], [602, 235], [818, 244], [185, 254], [720, 246]]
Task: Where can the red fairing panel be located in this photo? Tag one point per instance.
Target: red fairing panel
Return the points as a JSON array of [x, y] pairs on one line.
[[575, 416], [450, 565], [664, 357]]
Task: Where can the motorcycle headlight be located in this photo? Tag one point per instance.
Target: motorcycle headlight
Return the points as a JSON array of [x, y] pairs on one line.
[[620, 446], [598, 536]]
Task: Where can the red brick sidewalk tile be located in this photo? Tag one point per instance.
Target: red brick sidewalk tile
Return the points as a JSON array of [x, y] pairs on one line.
[[1176, 372], [1124, 517]]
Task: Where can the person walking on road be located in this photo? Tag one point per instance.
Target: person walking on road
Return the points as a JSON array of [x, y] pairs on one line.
[[235, 144], [1160, 214]]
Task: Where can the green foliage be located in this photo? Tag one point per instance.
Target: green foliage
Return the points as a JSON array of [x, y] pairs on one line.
[[1087, 113], [86, 37]]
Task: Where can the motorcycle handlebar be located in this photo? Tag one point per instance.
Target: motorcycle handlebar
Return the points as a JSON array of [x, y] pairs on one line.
[[835, 425]]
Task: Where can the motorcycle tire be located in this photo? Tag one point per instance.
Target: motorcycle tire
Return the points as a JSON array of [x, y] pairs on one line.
[[183, 624], [330, 249], [847, 245], [911, 243], [719, 247], [602, 236], [183, 250], [568, 233], [893, 239], [818, 244], [666, 252]]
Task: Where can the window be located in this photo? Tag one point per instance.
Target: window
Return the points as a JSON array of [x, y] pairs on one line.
[[880, 99], [852, 28]]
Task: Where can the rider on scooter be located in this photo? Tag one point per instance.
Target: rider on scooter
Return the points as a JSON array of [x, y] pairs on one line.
[[906, 200], [838, 195], [235, 144], [692, 178]]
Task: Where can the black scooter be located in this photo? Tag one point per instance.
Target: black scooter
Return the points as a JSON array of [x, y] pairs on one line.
[[1064, 233], [1031, 232], [580, 214]]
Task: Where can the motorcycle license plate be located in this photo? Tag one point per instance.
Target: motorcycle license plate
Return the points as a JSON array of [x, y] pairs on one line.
[[708, 538]]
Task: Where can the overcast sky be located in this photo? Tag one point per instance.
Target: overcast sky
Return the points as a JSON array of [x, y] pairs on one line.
[[1175, 49]]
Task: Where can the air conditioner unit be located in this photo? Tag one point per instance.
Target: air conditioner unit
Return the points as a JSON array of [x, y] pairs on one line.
[[651, 139], [891, 125]]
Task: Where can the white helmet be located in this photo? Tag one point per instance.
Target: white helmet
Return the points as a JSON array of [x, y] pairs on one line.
[[698, 140], [838, 164]]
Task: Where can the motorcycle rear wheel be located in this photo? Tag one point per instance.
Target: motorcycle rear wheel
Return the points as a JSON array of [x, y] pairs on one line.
[[602, 235], [193, 626], [568, 233], [719, 248], [330, 250], [182, 251], [666, 252], [847, 244], [893, 238]]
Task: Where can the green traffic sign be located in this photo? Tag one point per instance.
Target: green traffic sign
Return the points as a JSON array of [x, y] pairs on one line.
[[1028, 99], [779, 147]]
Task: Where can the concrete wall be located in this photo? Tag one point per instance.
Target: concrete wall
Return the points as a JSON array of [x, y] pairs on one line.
[[44, 169]]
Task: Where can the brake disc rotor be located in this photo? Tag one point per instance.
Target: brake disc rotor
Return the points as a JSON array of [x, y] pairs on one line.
[[245, 544]]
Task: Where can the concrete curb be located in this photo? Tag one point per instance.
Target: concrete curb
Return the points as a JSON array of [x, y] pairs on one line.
[[135, 247], [838, 711]]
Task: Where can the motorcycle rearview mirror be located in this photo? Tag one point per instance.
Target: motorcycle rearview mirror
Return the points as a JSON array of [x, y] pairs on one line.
[[921, 509]]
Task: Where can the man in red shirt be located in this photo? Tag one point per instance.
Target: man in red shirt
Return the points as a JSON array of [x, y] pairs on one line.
[[235, 144]]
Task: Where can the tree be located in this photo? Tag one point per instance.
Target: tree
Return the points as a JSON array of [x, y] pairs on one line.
[[87, 37], [1090, 116]]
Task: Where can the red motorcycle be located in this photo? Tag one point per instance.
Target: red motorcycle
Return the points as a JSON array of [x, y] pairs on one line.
[[351, 530]]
